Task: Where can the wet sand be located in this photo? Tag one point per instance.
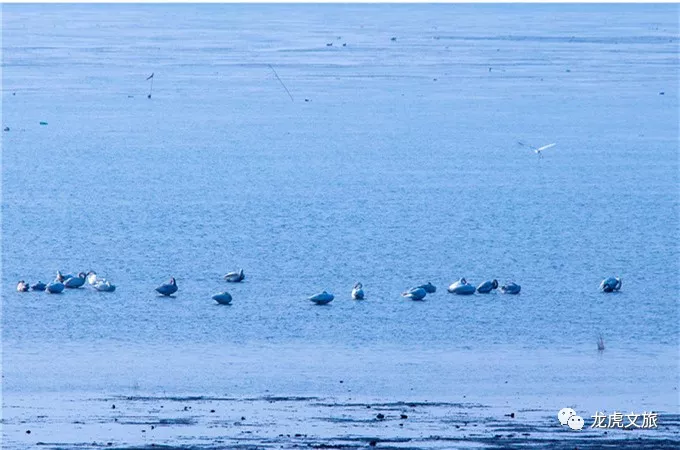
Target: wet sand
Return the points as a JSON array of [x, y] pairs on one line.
[[199, 422]]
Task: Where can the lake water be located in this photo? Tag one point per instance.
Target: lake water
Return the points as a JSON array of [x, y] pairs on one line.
[[397, 163]]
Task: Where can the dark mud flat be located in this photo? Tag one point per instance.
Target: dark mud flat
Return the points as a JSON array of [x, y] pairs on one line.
[[212, 422]]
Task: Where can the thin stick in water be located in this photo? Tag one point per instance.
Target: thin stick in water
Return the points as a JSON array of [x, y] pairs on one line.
[[284, 86], [150, 77]]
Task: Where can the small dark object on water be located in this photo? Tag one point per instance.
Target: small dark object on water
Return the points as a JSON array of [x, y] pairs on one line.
[[43, 123], [6, 128], [341, 381], [186, 408], [568, 70], [380, 416], [330, 44], [298, 435], [344, 44], [143, 431], [153, 427], [373, 443], [368, 406], [434, 79], [404, 416], [401, 424], [28, 431], [511, 415], [243, 418], [109, 444], [212, 410], [14, 93], [306, 99], [148, 96], [113, 406], [662, 93], [393, 39]]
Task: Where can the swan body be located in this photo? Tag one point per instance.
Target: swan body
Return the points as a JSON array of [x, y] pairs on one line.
[[358, 292], [511, 288], [322, 298], [39, 286], [610, 284], [234, 277], [487, 287], [168, 288], [104, 286], [462, 287], [416, 293], [223, 298], [429, 288], [55, 287], [75, 282], [61, 277]]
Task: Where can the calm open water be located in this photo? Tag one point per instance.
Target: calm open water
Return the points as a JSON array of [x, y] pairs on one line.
[[403, 167]]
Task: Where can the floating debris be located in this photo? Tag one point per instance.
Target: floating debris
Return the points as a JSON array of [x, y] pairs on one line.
[[43, 123]]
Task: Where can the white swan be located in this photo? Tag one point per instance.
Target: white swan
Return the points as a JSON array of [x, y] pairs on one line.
[[55, 287], [511, 288], [322, 298], [417, 293], [358, 292], [75, 282], [104, 286], [487, 287], [234, 277], [462, 287], [168, 288], [22, 286], [223, 298], [610, 284]]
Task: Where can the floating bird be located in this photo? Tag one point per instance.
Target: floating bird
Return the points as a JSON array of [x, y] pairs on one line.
[[487, 287], [322, 298], [104, 286], [610, 284], [429, 288], [75, 282], [600, 343], [511, 288], [61, 278], [92, 278], [55, 287], [167, 289], [358, 292], [39, 286], [234, 277], [462, 287], [223, 298], [22, 286], [416, 293]]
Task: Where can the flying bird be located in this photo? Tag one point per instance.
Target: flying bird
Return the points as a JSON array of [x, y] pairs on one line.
[[539, 149]]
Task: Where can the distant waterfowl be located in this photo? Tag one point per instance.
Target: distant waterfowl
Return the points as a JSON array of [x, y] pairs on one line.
[[610, 284], [61, 277], [104, 286], [167, 289], [429, 288], [487, 287], [92, 278], [539, 150], [223, 298], [22, 286], [462, 287], [358, 292], [416, 293], [600, 344], [55, 287], [511, 288], [322, 298], [75, 282], [39, 286], [234, 277]]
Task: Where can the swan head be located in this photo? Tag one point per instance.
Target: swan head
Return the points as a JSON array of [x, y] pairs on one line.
[[172, 281], [494, 283], [463, 281]]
